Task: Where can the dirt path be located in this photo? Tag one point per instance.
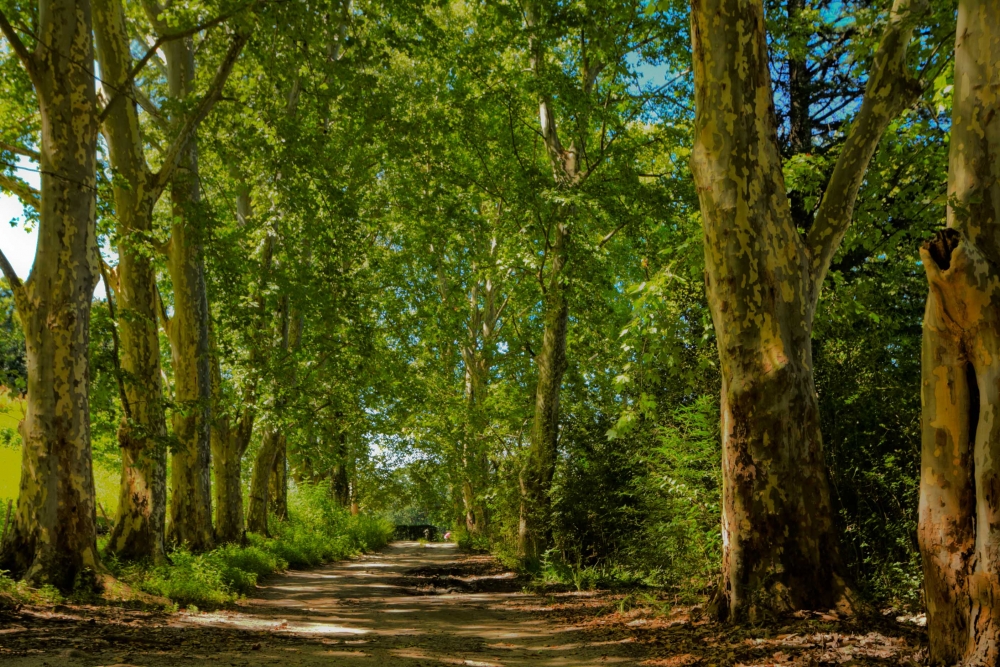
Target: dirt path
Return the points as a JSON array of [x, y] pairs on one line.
[[409, 605], [414, 605]]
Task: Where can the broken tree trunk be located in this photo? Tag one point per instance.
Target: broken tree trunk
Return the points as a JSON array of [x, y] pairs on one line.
[[959, 526]]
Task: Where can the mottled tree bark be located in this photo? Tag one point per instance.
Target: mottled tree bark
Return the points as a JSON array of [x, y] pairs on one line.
[[229, 442], [278, 486], [188, 332], [139, 526], [228, 448], [763, 281], [53, 537], [534, 531], [272, 442], [959, 526], [257, 512]]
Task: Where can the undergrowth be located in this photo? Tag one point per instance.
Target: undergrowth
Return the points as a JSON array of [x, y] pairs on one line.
[[317, 531], [13, 593]]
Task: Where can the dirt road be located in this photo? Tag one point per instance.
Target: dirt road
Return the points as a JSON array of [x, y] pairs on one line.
[[414, 605], [409, 605], [419, 605]]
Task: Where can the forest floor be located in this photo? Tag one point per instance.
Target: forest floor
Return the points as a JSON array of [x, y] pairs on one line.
[[414, 605]]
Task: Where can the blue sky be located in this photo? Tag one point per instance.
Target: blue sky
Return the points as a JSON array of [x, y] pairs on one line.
[[18, 243]]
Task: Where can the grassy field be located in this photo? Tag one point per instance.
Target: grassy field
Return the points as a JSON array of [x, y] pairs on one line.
[[11, 412]]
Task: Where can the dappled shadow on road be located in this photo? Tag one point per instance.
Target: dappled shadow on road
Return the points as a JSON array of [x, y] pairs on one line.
[[422, 605]]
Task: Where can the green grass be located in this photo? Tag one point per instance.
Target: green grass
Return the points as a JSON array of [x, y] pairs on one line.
[[106, 479], [11, 410]]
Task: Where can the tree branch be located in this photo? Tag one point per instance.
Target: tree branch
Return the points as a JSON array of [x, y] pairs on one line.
[[27, 57], [891, 89], [160, 41], [161, 311], [546, 114], [16, 286], [26, 152], [149, 107], [195, 118], [610, 235], [116, 344], [28, 195]]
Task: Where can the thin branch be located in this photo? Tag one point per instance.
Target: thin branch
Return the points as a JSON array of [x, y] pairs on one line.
[[115, 343], [890, 90], [160, 41], [26, 152], [28, 195], [16, 286], [149, 107], [27, 57], [161, 311], [173, 155], [611, 234]]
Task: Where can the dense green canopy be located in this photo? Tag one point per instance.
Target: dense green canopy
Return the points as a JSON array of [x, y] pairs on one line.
[[383, 225]]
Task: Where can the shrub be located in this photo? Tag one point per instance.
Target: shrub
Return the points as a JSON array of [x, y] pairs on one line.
[[188, 579], [241, 567]]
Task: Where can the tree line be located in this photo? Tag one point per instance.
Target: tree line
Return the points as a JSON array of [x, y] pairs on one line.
[[492, 263]]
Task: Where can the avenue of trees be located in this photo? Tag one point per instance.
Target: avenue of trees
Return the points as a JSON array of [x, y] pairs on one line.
[[694, 294]]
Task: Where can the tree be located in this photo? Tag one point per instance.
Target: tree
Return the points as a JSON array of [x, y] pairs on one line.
[[577, 62], [763, 278], [53, 539], [187, 328], [960, 478], [139, 527]]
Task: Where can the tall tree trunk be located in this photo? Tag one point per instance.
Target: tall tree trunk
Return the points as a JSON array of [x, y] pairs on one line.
[[477, 356], [959, 526], [272, 443], [278, 486], [139, 527], [53, 537], [534, 531], [763, 281], [190, 483], [340, 485], [229, 444], [257, 512], [228, 447]]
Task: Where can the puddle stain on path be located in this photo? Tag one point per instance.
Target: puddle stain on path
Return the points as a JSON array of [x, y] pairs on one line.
[[408, 606]]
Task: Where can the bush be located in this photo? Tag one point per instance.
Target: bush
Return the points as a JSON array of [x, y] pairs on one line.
[[466, 541], [241, 567], [187, 579]]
